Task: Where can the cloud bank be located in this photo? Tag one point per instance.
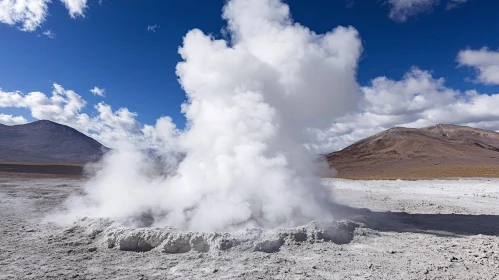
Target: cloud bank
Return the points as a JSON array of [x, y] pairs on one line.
[[417, 100], [11, 120], [112, 128]]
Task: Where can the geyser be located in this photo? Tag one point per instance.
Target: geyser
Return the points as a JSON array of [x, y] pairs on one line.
[[253, 101]]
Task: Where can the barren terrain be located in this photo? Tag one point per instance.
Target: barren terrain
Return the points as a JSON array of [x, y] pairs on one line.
[[436, 152], [40, 170], [47, 142], [390, 230]]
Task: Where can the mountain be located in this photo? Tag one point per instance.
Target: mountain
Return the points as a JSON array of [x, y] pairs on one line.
[[47, 142], [432, 152]]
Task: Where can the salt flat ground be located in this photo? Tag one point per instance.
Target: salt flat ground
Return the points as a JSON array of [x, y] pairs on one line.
[[410, 230]]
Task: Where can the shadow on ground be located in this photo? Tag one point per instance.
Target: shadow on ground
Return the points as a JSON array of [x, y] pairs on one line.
[[436, 224]]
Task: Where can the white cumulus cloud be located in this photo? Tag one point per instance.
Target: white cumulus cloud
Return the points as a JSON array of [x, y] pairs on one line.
[[75, 7], [417, 100], [12, 120], [30, 14], [484, 61], [112, 128], [98, 91]]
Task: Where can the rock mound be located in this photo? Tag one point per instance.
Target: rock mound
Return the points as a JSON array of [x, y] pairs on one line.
[[47, 142], [410, 153], [110, 234]]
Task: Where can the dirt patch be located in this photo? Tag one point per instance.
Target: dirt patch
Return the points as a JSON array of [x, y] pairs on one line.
[[421, 172], [35, 170]]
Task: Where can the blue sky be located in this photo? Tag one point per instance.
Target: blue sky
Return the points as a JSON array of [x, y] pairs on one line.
[[111, 47]]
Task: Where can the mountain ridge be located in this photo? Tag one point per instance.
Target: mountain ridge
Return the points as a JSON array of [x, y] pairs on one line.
[[47, 142], [412, 152]]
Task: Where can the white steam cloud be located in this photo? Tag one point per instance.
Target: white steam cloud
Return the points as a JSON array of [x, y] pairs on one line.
[[251, 104]]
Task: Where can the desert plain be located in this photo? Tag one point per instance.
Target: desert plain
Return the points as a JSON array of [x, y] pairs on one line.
[[427, 229]]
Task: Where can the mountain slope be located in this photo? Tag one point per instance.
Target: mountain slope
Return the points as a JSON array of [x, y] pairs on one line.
[[47, 142], [436, 151]]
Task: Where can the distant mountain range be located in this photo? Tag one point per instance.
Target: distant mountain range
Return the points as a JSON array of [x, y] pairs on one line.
[[431, 152], [439, 151], [47, 142]]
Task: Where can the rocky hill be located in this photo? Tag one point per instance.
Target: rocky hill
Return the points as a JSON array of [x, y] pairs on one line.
[[47, 142], [439, 151]]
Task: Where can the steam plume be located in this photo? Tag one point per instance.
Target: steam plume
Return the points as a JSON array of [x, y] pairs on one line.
[[251, 102]]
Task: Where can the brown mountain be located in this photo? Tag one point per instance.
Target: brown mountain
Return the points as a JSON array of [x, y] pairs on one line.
[[440, 151]]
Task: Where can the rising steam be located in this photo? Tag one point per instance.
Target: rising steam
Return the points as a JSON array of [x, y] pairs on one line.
[[251, 102]]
